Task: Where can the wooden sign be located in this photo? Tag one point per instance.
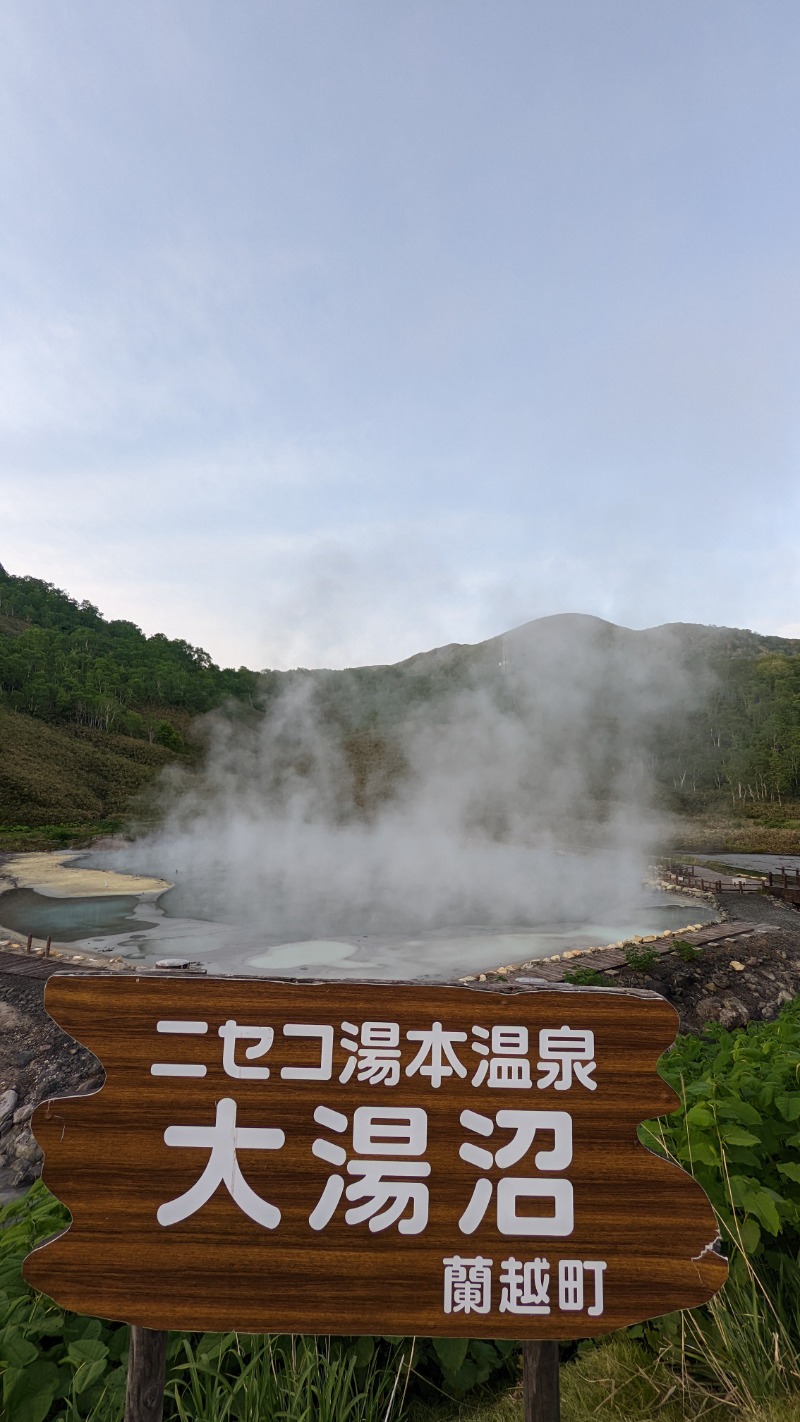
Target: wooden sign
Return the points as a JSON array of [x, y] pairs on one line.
[[344, 1158]]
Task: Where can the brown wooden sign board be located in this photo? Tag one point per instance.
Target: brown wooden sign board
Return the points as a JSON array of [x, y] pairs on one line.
[[343, 1158]]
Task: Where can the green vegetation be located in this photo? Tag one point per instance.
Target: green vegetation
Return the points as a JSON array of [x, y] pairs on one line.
[[91, 710], [242, 1376], [742, 745], [619, 1381], [53, 778], [640, 958], [738, 1133], [61, 1366], [586, 977], [61, 661], [685, 951], [737, 1129]]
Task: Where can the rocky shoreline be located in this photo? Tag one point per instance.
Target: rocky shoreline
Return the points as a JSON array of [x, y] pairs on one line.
[[37, 1061], [731, 981], [747, 978]]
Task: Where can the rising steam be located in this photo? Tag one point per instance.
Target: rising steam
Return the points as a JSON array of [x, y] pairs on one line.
[[454, 789]]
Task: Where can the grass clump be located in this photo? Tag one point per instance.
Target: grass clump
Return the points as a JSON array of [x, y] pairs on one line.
[[246, 1377], [685, 951], [738, 1132], [586, 977], [640, 958]]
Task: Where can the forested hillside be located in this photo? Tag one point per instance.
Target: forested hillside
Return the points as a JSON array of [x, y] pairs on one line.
[[743, 742], [91, 710], [61, 661]]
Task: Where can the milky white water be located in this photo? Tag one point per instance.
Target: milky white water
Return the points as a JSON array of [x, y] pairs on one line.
[[145, 926]]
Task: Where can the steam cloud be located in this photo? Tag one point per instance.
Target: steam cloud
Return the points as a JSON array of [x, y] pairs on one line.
[[456, 789]]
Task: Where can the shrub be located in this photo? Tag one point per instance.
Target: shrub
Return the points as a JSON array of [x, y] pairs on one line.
[[685, 951], [586, 977], [738, 1133], [640, 959]]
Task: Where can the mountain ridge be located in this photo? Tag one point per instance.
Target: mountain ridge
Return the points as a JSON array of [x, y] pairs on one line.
[[92, 710]]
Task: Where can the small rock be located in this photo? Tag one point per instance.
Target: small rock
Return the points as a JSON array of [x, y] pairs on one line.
[[10, 1019], [95, 1082], [24, 1113], [737, 966], [22, 1058], [8, 1104], [729, 1012], [25, 1147], [25, 1175]]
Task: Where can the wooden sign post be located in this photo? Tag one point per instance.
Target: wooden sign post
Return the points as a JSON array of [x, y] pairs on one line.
[[147, 1366], [353, 1159]]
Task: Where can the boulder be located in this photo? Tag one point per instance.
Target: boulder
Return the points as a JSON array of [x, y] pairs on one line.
[[728, 1011], [8, 1104]]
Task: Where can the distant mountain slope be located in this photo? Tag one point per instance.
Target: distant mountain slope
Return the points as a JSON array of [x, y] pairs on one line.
[[91, 710], [74, 777], [61, 661]]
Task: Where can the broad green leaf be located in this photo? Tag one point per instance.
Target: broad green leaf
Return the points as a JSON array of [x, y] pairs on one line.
[[703, 1151], [213, 1345], [364, 1349], [45, 1325], [750, 1231], [451, 1352], [740, 1155], [31, 1391], [700, 1116], [87, 1350], [118, 1343], [737, 1135], [760, 1204], [788, 1103], [77, 1326], [739, 1110], [15, 1350], [32, 1407], [89, 1373], [115, 1382], [790, 1170]]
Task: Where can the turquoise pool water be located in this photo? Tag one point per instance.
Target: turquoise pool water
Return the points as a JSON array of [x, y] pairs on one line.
[[23, 911]]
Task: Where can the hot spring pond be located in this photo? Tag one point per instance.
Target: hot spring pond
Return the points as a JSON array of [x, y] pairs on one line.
[[152, 924], [23, 911]]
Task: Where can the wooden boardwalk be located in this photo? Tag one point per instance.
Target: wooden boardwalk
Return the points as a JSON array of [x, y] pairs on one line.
[[698, 876], [554, 972], [780, 883], [35, 965], [783, 884]]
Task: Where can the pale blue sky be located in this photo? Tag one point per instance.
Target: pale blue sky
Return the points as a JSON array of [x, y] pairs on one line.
[[333, 331]]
